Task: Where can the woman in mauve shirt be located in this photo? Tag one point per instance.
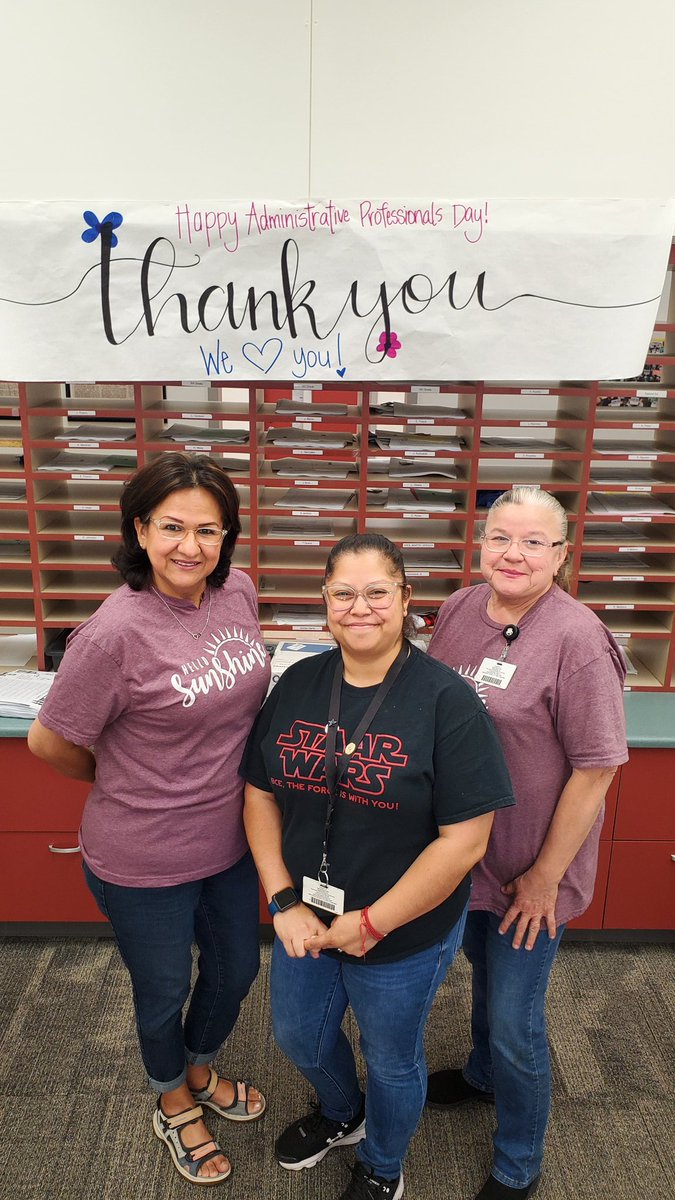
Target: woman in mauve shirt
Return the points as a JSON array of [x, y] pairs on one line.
[[152, 704], [557, 703]]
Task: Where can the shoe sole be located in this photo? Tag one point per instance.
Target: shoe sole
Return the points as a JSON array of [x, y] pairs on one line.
[[349, 1139], [230, 1116]]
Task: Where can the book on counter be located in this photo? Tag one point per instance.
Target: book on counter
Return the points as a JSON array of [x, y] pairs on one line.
[[22, 692]]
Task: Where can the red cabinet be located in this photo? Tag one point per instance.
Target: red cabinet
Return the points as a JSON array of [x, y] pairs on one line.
[[39, 817], [641, 882]]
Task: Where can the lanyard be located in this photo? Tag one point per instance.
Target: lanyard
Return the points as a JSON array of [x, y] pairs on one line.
[[509, 633], [336, 767]]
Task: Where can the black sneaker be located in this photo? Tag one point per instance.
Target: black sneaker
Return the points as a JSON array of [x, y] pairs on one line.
[[367, 1186], [308, 1140], [449, 1087]]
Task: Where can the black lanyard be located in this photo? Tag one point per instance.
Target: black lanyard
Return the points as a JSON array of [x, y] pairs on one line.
[[337, 766]]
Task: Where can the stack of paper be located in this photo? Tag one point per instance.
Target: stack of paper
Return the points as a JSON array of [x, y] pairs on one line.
[[184, 432], [412, 499], [628, 503], [309, 439], [397, 409], [405, 468], [385, 440], [86, 463], [321, 530], [98, 431], [23, 692], [433, 560], [314, 498], [300, 408], [522, 442], [312, 617], [624, 447], [297, 468]]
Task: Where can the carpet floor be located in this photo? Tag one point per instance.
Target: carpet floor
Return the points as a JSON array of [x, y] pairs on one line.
[[76, 1110]]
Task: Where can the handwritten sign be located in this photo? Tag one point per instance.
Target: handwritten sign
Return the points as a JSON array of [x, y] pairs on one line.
[[325, 290]]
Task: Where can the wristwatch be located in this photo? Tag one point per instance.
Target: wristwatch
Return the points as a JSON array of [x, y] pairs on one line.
[[283, 900]]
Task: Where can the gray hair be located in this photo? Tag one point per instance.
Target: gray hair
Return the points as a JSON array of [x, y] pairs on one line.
[[542, 499]]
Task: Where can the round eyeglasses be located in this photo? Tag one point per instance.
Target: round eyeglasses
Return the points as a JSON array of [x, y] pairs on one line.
[[340, 598], [532, 547], [173, 531]]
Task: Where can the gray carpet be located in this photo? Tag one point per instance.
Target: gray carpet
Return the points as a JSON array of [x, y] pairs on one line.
[[76, 1111]]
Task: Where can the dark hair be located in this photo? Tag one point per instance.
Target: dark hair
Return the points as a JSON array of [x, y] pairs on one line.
[[358, 543], [173, 472]]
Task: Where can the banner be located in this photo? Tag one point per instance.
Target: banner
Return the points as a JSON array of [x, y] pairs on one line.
[[329, 291]]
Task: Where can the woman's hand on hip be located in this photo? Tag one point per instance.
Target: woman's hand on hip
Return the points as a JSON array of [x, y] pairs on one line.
[[533, 901], [345, 934], [294, 927]]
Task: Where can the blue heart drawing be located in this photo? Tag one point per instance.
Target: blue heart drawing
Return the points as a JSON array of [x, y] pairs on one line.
[[260, 351], [341, 371]]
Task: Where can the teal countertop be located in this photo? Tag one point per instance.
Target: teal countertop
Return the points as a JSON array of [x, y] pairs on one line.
[[650, 719]]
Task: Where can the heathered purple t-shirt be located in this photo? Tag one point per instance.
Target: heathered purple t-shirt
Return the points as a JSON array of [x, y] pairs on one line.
[[562, 709], [168, 717]]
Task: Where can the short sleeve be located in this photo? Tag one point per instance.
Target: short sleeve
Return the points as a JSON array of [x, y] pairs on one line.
[[470, 774], [89, 692], [589, 714], [252, 766]]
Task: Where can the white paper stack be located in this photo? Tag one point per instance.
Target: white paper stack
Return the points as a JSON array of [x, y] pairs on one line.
[[232, 436], [89, 464], [309, 439], [635, 504], [395, 409], [98, 431], [23, 692], [297, 468], [301, 529], [313, 498], [386, 440]]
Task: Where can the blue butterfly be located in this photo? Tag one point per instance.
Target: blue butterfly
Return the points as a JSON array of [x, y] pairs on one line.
[[113, 218]]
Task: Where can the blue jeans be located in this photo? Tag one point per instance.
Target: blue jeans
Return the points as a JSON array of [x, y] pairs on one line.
[[391, 1003], [510, 1047], [155, 929]]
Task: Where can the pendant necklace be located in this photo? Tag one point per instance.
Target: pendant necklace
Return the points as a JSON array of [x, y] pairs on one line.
[[196, 636]]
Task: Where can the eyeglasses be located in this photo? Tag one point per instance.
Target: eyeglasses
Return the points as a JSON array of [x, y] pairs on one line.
[[499, 543], [173, 531], [340, 598]]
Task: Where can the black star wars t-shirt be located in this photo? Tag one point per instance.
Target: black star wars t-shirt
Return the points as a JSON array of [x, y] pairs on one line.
[[430, 757]]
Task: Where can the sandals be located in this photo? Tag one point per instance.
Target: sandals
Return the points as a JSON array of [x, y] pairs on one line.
[[168, 1130], [238, 1110]]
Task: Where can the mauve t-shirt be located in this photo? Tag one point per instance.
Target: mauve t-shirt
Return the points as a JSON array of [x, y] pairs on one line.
[[562, 709], [168, 717]]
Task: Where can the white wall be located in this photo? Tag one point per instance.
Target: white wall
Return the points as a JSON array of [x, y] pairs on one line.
[[283, 98]]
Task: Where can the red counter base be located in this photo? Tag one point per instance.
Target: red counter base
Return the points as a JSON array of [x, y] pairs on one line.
[[44, 890]]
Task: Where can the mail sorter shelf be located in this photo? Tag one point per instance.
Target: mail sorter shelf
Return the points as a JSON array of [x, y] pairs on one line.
[[413, 463]]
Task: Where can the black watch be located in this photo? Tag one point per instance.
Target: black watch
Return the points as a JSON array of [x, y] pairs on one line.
[[283, 900]]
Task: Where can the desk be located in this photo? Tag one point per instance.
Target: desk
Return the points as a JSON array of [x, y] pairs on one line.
[[43, 889]]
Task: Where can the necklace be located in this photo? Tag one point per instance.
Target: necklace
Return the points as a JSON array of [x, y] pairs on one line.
[[192, 635]]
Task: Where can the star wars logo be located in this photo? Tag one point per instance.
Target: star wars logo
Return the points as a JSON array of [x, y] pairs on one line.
[[303, 757]]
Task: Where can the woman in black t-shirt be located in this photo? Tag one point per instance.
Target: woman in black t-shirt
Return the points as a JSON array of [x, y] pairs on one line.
[[372, 775]]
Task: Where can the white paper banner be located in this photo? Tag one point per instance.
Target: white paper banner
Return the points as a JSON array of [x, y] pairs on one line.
[[330, 290]]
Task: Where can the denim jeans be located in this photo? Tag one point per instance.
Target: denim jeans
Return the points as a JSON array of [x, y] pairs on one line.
[[154, 929], [391, 1003], [510, 1047]]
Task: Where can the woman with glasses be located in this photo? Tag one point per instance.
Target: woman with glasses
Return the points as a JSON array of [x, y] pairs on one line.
[[551, 676], [372, 776], [152, 704]]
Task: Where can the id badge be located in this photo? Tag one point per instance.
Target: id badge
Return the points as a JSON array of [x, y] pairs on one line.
[[322, 895], [495, 673]]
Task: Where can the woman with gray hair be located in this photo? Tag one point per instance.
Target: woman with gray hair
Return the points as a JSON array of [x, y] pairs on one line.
[[551, 676]]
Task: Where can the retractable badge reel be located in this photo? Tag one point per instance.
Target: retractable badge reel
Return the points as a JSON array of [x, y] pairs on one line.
[[497, 672]]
